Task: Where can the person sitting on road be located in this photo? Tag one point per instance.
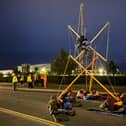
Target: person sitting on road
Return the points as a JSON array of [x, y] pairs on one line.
[[58, 111], [111, 104], [93, 95], [67, 101], [80, 94], [54, 105]]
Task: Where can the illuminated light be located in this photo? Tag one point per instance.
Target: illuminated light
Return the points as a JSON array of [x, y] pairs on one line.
[[43, 70], [101, 71]]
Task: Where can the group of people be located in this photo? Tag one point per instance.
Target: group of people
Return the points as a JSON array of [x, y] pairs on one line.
[[66, 103], [109, 103], [32, 79], [86, 95]]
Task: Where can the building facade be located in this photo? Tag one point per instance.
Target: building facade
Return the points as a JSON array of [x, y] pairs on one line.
[[31, 68], [28, 68]]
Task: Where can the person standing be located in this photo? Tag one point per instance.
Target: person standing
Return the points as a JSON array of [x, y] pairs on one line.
[[35, 79], [14, 81], [44, 78], [22, 79], [29, 81]]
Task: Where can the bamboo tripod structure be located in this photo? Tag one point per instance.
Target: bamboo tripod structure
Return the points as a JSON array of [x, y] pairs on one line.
[[95, 56], [85, 70]]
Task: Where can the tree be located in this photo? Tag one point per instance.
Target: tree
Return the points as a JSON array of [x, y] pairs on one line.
[[15, 70], [9, 74], [58, 65], [1, 75], [112, 67]]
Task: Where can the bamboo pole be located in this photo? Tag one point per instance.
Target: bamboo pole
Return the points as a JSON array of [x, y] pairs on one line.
[[90, 74], [102, 29], [81, 53], [98, 54], [70, 85], [92, 67]]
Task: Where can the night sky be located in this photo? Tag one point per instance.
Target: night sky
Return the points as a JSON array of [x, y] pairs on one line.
[[33, 31]]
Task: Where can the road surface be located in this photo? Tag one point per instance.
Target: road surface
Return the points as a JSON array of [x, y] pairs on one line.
[[25, 108]]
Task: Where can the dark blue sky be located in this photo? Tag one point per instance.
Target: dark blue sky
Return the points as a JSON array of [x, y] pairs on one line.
[[33, 31]]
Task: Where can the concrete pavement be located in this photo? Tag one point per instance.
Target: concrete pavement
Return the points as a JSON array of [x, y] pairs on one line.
[[39, 89]]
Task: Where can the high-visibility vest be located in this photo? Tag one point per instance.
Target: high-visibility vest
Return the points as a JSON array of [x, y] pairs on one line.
[[35, 77], [29, 79], [44, 76], [14, 79]]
